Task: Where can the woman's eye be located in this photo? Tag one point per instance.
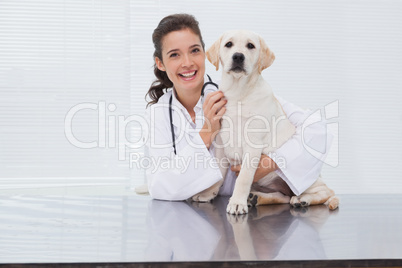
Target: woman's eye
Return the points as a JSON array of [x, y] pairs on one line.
[[173, 55], [229, 44], [195, 50], [250, 46]]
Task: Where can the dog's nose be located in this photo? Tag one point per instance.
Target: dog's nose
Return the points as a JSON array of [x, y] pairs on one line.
[[238, 57]]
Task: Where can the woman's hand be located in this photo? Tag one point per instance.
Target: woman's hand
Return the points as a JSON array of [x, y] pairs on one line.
[[214, 108], [266, 166]]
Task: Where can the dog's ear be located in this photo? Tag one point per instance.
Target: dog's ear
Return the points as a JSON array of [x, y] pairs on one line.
[[213, 53], [267, 57]]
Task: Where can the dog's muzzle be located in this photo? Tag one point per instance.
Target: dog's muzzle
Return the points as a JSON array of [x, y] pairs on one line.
[[238, 62]]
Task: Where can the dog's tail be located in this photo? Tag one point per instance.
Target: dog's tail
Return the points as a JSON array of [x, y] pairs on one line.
[[332, 202], [143, 189]]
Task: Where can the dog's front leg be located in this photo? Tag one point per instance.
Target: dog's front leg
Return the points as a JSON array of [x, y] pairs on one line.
[[238, 201]]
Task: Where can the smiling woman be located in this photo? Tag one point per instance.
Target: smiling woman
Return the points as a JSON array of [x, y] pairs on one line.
[[172, 24], [183, 60], [180, 63]]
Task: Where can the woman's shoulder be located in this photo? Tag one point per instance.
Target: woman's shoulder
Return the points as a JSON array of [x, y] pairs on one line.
[[160, 106], [165, 97], [162, 101]]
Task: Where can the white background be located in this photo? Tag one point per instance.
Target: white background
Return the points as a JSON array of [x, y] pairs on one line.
[[55, 55]]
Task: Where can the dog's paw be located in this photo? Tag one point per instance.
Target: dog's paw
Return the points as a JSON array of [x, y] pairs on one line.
[[205, 206], [299, 211], [299, 201], [204, 196], [237, 208], [252, 200]]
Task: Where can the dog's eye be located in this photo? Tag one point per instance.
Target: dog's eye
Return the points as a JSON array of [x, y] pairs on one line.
[[229, 44], [250, 46]]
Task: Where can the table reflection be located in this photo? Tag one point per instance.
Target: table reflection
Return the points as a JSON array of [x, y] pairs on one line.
[[183, 231]]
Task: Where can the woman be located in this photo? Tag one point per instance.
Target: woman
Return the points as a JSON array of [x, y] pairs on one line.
[[186, 166]]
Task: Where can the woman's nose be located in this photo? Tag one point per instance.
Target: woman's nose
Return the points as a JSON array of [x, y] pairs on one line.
[[187, 61]]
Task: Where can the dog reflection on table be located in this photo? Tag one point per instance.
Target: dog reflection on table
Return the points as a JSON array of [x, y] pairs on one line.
[[267, 232], [279, 231], [188, 231], [252, 107]]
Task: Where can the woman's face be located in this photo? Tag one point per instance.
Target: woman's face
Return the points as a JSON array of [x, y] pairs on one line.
[[183, 59]]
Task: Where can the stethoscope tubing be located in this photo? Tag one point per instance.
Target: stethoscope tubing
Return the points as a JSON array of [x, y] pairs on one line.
[[171, 110]]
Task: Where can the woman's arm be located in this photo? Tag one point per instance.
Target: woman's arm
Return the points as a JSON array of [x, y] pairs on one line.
[[176, 177], [266, 166], [214, 109]]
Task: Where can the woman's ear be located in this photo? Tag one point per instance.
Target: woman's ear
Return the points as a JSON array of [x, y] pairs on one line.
[[159, 64], [213, 53], [267, 57]]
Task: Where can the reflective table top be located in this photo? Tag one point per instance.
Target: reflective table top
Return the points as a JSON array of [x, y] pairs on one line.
[[71, 228]]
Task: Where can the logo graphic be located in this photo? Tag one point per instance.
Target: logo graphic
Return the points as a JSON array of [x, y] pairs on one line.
[[331, 113]]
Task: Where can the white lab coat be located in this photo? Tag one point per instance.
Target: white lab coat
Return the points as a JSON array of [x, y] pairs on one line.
[[194, 168]]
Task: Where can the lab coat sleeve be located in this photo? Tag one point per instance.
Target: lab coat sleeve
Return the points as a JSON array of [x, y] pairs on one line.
[[177, 177], [298, 166]]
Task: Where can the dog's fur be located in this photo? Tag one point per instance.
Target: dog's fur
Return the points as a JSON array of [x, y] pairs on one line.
[[254, 124]]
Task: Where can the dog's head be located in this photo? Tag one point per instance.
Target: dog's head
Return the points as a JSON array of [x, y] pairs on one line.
[[240, 53]]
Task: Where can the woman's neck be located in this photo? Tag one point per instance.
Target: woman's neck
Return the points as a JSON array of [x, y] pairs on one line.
[[188, 100]]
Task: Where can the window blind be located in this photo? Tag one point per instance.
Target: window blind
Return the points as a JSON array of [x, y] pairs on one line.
[[55, 55]]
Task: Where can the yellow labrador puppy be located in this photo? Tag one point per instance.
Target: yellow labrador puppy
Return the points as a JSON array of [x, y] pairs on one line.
[[254, 124]]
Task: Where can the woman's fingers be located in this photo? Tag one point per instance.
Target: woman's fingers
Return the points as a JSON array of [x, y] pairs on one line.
[[214, 107], [214, 95], [235, 169], [212, 98], [218, 106], [220, 113]]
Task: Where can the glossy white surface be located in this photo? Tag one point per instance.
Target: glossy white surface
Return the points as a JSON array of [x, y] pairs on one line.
[[128, 228]]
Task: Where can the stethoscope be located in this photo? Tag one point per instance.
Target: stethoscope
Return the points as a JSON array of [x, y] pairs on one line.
[[170, 109]]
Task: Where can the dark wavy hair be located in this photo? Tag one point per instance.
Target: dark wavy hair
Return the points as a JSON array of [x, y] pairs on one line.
[[171, 23]]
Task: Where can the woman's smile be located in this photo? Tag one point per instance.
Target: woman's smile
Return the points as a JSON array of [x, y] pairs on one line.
[[189, 75]]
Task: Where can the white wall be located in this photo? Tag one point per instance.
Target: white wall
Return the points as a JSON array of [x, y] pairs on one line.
[[326, 51], [55, 55]]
